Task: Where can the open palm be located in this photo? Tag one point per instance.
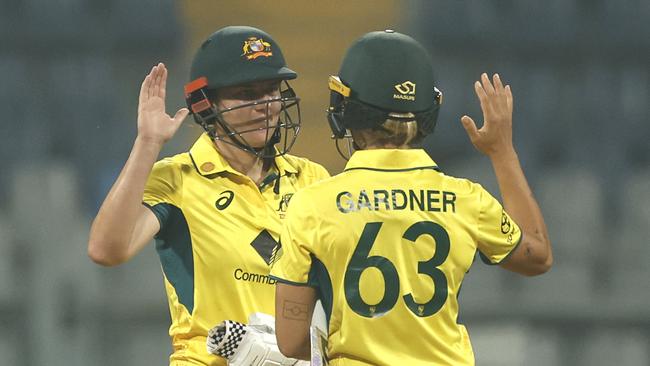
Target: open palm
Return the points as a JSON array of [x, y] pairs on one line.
[[154, 124], [495, 136]]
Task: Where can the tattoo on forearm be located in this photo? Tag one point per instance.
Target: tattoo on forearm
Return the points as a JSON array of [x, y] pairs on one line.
[[294, 310]]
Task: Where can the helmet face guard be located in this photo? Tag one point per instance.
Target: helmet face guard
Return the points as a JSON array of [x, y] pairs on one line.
[[281, 130]]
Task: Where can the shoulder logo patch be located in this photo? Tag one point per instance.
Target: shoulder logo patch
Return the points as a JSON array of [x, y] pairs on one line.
[[505, 223]]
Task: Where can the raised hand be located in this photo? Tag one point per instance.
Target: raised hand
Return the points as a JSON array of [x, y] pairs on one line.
[[154, 124], [495, 136]]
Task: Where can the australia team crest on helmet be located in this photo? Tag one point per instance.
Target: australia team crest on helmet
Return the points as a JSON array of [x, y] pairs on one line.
[[256, 47]]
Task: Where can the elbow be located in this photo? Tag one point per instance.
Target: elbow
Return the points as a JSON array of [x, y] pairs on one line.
[[547, 264], [536, 270], [530, 265], [292, 345], [98, 254], [292, 350], [286, 349], [540, 266]]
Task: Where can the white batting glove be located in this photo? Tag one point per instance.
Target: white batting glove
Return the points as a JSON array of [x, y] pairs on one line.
[[251, 344]]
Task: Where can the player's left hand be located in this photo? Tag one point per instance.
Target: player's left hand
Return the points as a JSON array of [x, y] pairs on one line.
[[494, 138]]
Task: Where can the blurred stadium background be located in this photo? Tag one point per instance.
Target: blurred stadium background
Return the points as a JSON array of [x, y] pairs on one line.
[[70, 72]]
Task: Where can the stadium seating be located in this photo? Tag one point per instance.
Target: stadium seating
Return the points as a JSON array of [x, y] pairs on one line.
[[613, 346]]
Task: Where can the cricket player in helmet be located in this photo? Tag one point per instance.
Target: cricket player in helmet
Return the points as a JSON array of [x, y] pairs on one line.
[[215, 211], [218, 76], [385, 244], [360, 100]]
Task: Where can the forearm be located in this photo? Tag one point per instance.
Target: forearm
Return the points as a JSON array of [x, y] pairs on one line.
[[112, 230], [293, 333], [294, 306], [520, 203], [533, 254]]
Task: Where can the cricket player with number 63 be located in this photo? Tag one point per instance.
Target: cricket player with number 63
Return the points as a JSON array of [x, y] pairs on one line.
[[386, 243]]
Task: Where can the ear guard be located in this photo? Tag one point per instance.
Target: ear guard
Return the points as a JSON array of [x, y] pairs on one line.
[[338, 93], [198, 103], [428, 119]]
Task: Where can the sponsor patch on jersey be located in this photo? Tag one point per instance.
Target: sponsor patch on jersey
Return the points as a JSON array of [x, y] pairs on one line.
[[506, 226], [256, 47], [243, 275], [265, 246], [284, 204], [224, 200], [277, 253]]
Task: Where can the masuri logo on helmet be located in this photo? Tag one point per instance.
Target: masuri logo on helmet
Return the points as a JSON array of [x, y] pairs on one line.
[[406, 90]]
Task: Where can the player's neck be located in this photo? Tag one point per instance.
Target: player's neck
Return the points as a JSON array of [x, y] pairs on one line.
[[387, 146], [243, 162]]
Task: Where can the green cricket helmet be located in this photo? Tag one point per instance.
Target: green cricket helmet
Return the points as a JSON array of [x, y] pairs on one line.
[[383, 74], [240, 55]]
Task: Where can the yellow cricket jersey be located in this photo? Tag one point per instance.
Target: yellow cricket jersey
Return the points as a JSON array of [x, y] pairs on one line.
[[388, 242], [218, 234]]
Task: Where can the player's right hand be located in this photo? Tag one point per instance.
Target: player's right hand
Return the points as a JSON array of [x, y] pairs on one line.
[[154, 124]]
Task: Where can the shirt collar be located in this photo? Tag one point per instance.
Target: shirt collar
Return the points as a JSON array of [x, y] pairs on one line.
[[390, 160], [285, 166], [208, 160]]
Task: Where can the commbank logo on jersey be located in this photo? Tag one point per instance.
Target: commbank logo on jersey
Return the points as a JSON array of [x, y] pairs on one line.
[[405, 90], [265, 246], [255, 47], [277, 253]]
